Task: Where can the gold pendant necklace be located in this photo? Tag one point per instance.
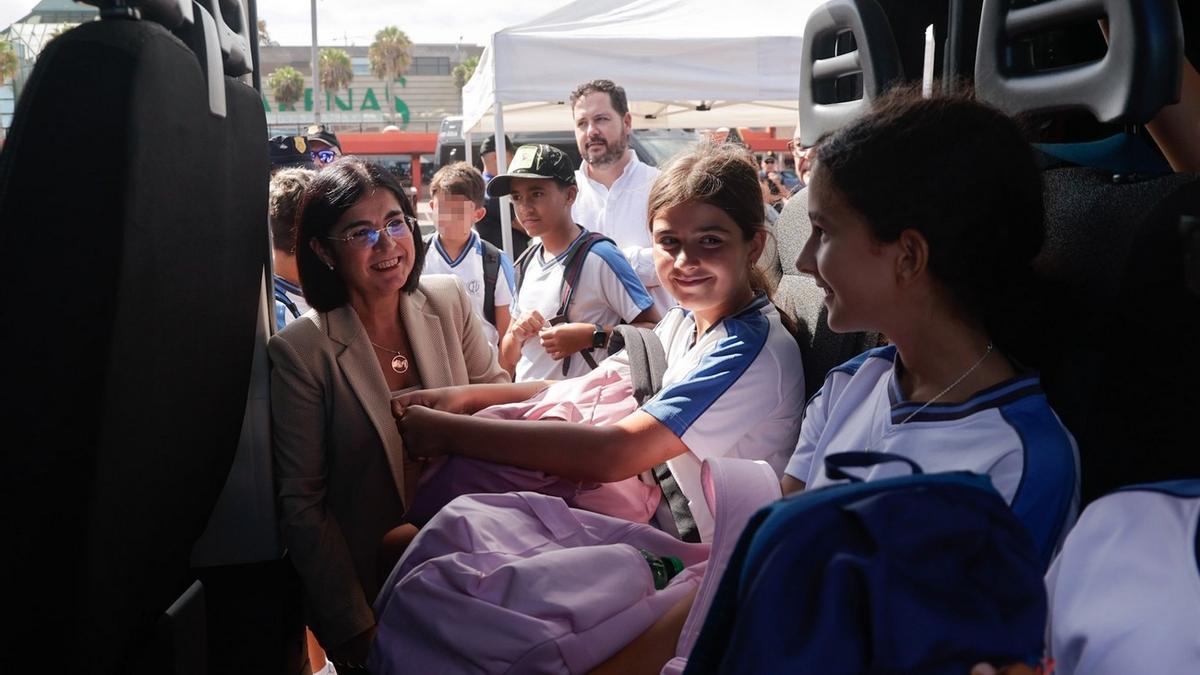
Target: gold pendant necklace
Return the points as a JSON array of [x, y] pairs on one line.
[[399, 361]]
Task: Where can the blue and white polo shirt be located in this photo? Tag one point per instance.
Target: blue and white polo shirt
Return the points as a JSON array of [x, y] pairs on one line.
[[735, 391], [1125, 591], [468, 267], [1006, 431], [608, 293]]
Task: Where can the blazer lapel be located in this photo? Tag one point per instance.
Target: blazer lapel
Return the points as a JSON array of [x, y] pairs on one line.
[[359, 365], [424, 329]]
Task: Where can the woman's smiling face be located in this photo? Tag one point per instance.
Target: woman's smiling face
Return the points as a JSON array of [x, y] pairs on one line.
[[371, 272], [703, 258]]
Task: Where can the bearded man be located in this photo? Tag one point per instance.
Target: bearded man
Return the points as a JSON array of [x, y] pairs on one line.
[[614, 185]]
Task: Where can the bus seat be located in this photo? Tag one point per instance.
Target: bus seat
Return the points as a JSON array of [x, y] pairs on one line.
[[1118, 340], [116, 461], [849, 57]]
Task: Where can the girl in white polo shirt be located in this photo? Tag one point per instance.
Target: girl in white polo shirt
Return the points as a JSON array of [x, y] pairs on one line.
[[924, 214], [734, 384]]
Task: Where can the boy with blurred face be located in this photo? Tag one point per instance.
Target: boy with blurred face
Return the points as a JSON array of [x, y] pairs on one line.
[[542, 187], [457, 203]]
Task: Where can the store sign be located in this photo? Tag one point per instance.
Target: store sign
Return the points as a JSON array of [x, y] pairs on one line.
[[351, 100]]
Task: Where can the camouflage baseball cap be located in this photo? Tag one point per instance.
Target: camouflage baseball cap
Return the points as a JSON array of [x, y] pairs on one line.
[[534, 161]]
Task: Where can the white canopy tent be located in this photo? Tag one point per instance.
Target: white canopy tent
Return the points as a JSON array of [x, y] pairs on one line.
[[683, 64]]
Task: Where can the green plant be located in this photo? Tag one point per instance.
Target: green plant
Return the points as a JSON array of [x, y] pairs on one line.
[[390, 56], [335, 68], [462, 72], [287, 86]]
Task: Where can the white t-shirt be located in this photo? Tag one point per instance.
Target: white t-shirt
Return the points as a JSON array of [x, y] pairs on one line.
[[468, 267], [1125, 591], [608, 293], [620, 213], [736, 391], [1006, 431]]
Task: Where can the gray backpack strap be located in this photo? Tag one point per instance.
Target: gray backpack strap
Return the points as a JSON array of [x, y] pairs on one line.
[[647, 364], [647, 359]]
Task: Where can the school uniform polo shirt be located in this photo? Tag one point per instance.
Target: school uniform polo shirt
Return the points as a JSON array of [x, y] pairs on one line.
[[1006, 431], [608, 293], [468, 267], [1125, 591], [735, 391], [620, 213]]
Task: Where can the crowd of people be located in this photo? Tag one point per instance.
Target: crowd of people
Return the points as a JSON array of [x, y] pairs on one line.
[[414, 376]]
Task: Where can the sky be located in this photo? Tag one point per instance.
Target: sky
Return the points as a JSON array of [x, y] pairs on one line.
[[354, 22]]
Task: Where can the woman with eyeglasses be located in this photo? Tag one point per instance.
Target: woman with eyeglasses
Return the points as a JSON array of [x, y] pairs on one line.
[[377, 329]]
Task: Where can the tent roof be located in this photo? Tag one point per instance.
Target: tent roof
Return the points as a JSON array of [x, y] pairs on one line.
[[739, 63]]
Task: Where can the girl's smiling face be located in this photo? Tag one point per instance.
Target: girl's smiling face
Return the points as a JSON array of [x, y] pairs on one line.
[[703, 258], [857, 272]]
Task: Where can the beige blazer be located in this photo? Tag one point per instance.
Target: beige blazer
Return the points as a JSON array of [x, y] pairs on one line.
[[339, 459]]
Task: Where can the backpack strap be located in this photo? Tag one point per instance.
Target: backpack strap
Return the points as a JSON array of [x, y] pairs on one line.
[[647, 358], [522, 263], [491, 272], [572, 269], [647, 365]]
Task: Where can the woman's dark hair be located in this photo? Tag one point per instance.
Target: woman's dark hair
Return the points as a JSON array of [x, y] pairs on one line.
[[337, 188], [959, 172]]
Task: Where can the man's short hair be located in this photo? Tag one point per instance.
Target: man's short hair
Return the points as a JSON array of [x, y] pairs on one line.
[[460, 179], [286, 192], [616, 94]]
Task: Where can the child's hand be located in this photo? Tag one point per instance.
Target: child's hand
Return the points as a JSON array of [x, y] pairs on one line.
[[526, 326], [565, 339], [421, 429], [446, 399]]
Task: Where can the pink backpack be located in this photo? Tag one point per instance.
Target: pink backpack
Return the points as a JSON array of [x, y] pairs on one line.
[[603, 396], [522, 583]]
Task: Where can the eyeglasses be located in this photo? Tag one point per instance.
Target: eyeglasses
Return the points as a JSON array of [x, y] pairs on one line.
[[323, 156], [366, 237]]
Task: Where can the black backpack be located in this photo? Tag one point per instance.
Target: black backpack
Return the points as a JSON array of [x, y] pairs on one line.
[[491, 272]]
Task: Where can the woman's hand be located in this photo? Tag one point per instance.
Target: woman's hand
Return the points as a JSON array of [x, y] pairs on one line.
[[422, 430], [446, 399], [565, 339]]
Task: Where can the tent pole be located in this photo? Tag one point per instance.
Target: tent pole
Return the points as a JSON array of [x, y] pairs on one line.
[[467, 148], [501, 167]]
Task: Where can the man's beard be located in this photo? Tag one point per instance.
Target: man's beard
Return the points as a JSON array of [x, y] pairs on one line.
[[613, 152]]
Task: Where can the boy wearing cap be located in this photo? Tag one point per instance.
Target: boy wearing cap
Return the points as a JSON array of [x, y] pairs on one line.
[[486, 273], [541, 184]]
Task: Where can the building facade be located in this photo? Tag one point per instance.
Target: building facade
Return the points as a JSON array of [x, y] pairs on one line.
[[419, 99]]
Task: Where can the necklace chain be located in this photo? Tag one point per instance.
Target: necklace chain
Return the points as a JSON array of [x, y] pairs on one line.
[[392, 351], [986, 353]]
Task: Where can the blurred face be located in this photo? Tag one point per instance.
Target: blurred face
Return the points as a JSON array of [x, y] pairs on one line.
[[768, 164], [856, 272], [703, 259], [376, 271], [601, 134], [803, 163], [454, 216], [542, 205]]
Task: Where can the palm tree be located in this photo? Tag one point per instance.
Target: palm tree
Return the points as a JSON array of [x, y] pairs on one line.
[[336, 71], [463, 71], [8, 62], [390, 56], [287, 86]]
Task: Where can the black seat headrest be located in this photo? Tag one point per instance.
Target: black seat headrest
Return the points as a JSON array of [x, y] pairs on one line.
[[169, 13], [1137, 77], [829, 97]]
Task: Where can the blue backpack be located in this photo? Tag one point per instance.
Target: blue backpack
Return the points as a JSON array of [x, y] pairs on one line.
[[922, 574]]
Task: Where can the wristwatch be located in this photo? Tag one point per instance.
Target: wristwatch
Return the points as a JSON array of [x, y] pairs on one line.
[[599, 337]]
